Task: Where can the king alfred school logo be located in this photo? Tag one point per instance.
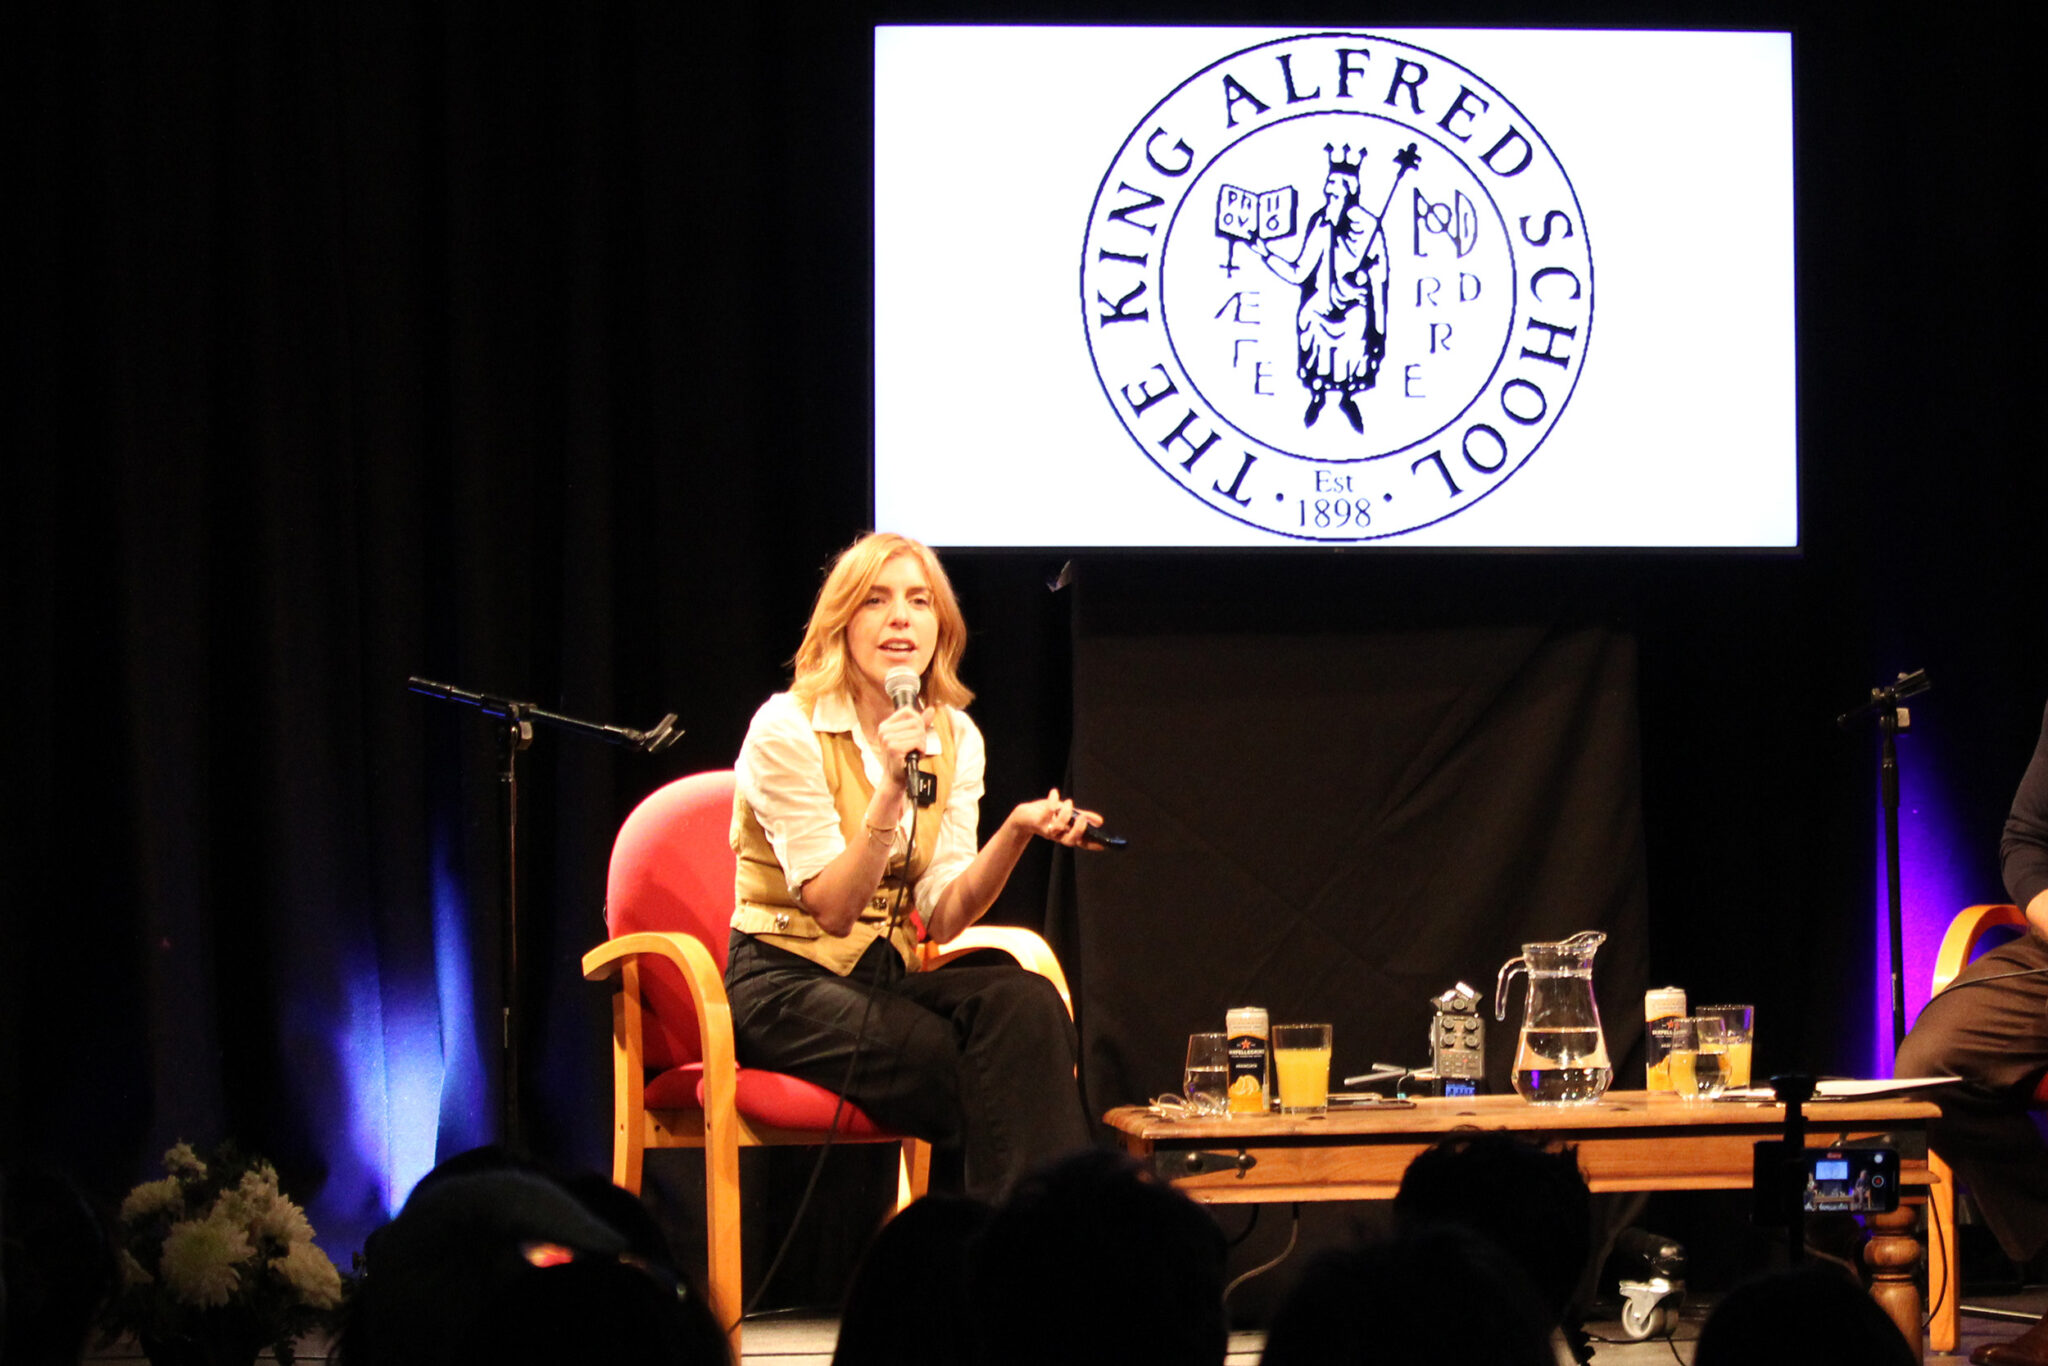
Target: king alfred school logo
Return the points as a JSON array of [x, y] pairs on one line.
[[1337, 287]]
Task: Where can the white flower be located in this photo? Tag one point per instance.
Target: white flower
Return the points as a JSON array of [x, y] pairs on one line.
[[199, 1260], [306, 1269], [258, 1206], [153, 1197], [182, 1161], [287, 1223]]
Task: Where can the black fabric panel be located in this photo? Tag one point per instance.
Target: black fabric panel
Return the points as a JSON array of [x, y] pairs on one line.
[[373, 342], [1340, 824]]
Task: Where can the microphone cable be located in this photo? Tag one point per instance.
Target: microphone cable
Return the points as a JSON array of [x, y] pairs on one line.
[[1993, 977], [860, 1030]]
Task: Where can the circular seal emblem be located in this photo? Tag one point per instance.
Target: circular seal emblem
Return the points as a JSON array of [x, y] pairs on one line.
[[1337, 287]]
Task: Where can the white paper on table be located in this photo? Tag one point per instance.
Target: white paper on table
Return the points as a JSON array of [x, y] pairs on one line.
[[1846, 1088]]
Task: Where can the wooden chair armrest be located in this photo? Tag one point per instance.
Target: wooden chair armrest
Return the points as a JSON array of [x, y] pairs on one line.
[[705, 983], [1026, 946], [1958, 946], [687, 952]]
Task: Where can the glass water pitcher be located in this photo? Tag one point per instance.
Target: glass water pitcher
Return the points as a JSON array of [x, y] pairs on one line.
[[1561, 1053]]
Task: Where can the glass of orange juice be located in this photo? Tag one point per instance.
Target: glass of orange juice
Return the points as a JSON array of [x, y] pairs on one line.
[[1301, 1067]]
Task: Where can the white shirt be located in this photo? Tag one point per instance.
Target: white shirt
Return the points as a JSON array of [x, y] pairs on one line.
[[781, 773]]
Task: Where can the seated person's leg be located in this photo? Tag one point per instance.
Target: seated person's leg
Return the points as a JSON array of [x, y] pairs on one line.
[[1994, 1035], [789, 1015], [1019, 1102]]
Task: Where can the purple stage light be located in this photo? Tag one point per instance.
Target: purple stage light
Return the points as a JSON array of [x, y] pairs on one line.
[[1934, 883]]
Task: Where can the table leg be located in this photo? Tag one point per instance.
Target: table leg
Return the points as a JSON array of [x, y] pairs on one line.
[[1893, 1254]]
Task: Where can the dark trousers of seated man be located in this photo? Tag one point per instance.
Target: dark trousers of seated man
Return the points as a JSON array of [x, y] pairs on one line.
[[1994, 1035], [977, 1054]]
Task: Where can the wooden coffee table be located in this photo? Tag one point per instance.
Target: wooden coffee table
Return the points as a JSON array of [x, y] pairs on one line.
[[1629, 1141]]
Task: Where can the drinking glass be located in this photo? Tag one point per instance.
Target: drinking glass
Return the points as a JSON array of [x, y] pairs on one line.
[[1206, 1082], [1738, 1027], [1707, 1065], [1301, 1065]]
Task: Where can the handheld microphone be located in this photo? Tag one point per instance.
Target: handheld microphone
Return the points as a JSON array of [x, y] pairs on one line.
[[901, 685]]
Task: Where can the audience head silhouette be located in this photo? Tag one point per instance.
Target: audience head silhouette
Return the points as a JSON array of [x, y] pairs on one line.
[[1812, 1315], [491, 1261], [1442, 1285], [1532, 1204], [925, 1246], [1093, 1249]]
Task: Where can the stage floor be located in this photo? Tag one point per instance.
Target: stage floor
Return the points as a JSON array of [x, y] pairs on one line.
[[806, 1339]]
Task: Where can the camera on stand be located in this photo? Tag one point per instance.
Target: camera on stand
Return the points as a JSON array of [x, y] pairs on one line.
[[1824, 1181]]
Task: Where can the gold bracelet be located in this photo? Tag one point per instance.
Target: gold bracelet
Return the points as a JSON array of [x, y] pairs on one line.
[[887, 836]]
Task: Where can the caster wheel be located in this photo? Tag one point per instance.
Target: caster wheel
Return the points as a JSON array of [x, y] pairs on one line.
[[1649, 1321]]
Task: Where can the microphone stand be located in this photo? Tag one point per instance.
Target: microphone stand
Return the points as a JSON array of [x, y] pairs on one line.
[[515, 734], [1891, 719]]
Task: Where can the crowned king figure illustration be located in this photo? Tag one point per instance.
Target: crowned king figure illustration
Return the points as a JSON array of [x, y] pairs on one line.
[[1340, 270]]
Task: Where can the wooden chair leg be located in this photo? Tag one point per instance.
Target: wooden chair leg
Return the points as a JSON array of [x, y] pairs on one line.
[[913, 1172], [722, 1274], [629, 1087]]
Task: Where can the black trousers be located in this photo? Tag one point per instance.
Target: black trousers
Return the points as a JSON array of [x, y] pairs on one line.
[[970, 1055], [1994, 1035]]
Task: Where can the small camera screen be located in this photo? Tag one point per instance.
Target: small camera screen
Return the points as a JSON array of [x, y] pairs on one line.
[[1856, 1182]]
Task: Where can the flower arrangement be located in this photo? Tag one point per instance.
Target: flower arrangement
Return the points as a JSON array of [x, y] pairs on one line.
[[217, 1263]]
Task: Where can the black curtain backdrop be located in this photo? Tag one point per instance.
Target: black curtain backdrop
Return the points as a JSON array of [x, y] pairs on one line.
[[1342, 803], [525, 347]]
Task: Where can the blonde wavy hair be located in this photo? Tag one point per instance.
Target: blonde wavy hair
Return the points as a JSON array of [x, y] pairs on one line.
[[821, 664]]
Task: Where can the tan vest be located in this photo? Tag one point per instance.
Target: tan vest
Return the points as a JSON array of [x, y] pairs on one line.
[[765, 904]]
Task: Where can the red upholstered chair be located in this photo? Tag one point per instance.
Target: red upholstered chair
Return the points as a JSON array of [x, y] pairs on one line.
[[668, 901], [1975, 930]]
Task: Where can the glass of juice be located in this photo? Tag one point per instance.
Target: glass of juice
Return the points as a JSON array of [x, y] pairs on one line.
[[1301, 1067], [1738, 1028], [1679, 1037]]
